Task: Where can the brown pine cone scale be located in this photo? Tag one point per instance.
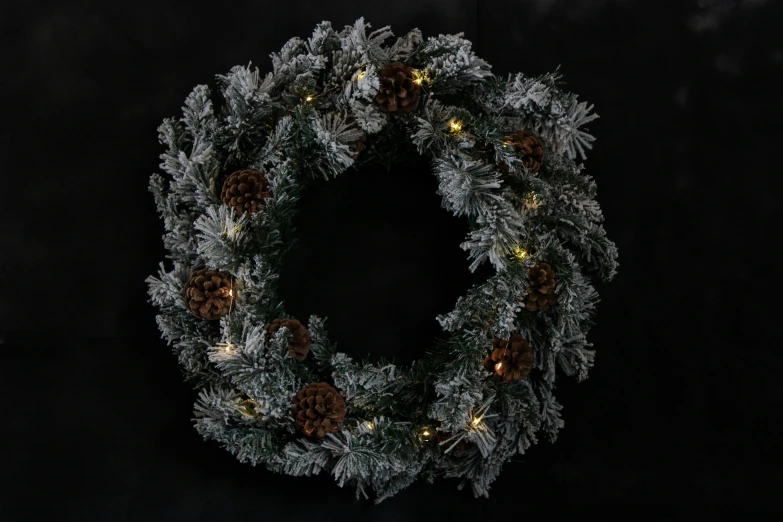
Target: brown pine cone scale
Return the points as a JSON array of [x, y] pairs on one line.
[[511, 359], [398, 93], [529, 147], [319, 409], [245, 190], [208, 294], [541, 287], [299, 345]]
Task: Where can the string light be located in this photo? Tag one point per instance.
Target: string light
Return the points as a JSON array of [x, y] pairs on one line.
[[309, 98], [425, 435], [247, 407], [481, 414], [361, 75], [231, 232], [520, 253], [370, 425], [231, 292], [419, 76], [531, 201], [455, 125]]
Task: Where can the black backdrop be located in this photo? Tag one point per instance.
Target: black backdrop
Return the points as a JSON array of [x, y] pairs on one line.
[[680, 409]]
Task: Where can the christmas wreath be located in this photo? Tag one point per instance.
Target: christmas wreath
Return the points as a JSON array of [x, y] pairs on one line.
[[273, 389]]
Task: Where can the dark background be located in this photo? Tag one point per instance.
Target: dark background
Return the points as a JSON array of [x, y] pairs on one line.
[[682, 409]]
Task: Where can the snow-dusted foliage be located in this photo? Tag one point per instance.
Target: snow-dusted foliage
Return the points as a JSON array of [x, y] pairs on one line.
[[300, 123]]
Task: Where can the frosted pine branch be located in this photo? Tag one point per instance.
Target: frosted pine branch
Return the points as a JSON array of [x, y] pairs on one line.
[[556, 116], [453, 62], [468, 187], [502, 230], [219, 231]]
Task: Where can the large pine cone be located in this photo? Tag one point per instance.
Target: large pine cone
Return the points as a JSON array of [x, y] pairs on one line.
[[299, 345], [527, 145], [511, 359], [208, 294], [398, 93], [541, 287], [245, 190], [319, 409]]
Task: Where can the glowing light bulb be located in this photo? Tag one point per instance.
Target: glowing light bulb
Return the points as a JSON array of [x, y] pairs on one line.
[[531, 201], [231, 292], [475, 421], [419, 77], [455, 125], [425, 435], [370, 425], [247, 407], [309, 98], [361, 75], [520, 253]]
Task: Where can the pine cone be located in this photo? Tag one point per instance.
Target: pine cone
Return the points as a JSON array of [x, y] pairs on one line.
[[527, 145], [245, 190], [319, 409], [398, 93], [208, 294], [357, 146], [541, 288], [511, 359], [299, 345]]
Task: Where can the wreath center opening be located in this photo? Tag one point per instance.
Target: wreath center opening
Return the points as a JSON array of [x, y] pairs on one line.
[[379, 258]]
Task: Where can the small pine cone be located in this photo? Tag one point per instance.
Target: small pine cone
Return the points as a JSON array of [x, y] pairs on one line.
[[245, 190], [398, 93], [357, 146], [527, 145], [541, 287], [208, 294], [299, 345], [318, 409], [511, 359]]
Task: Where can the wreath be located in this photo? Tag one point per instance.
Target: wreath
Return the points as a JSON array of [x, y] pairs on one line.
[[273, 389]]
